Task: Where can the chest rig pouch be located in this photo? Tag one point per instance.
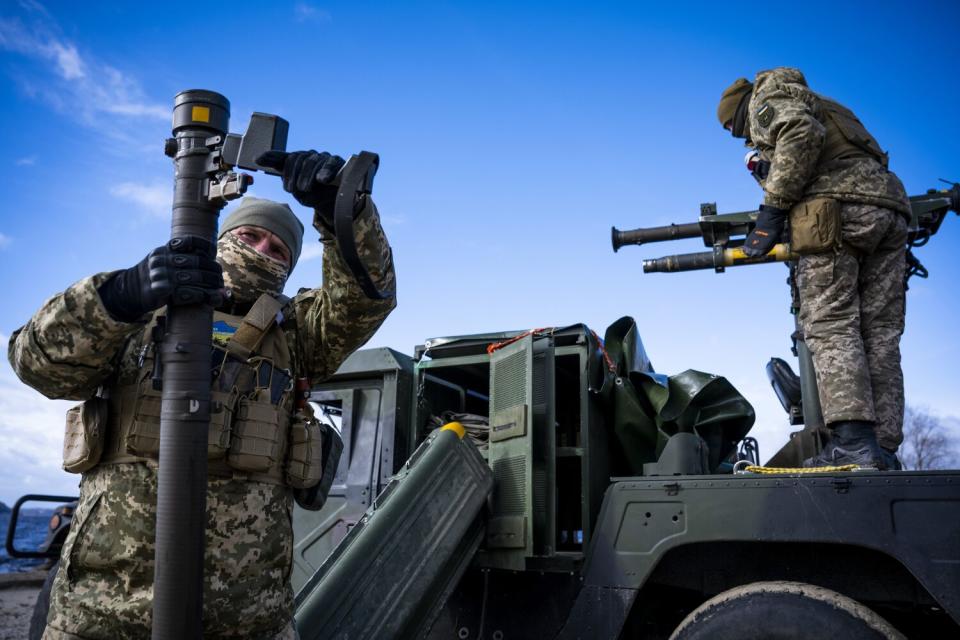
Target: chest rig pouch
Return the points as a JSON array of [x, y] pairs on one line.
[[255, 371], [85, 434], [268, 440], [815, 226], [136, 408], [251, 431]]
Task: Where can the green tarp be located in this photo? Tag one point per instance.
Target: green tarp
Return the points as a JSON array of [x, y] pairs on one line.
[[646, 408]]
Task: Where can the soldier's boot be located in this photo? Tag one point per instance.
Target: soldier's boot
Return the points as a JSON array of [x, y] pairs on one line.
[[849, 442], [890, 459]]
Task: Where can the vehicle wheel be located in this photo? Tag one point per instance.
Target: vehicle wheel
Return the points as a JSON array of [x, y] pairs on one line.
[[38, 621], [783, 611]]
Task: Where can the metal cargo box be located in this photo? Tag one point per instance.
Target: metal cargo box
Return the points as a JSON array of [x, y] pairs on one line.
[[392, 573]]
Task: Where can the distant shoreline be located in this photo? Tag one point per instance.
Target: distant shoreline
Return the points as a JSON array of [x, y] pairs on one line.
[[31, 532]]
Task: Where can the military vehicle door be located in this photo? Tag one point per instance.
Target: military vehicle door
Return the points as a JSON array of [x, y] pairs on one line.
[[356, 409], [522, 521]]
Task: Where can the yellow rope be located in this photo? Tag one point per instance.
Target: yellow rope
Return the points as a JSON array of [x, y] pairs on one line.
[[795, 470]]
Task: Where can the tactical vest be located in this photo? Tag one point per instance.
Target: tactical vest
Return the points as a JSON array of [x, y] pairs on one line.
[[846, 137], [251, 400]]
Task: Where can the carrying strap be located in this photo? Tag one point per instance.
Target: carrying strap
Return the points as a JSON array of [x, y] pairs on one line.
[[263, 315], [356, 180]]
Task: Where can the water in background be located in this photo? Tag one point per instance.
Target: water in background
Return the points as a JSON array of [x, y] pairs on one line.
[[31, 531]]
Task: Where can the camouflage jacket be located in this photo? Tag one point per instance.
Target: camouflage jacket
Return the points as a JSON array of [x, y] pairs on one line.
[[793, 128], [71, 346], [104, 587]]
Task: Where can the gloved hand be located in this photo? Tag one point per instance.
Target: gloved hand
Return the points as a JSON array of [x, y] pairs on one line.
[[756, 165], [179, 272], [767, 232], [307, 176]]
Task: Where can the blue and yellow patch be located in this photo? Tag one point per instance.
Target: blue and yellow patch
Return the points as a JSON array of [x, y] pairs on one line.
[[222, 332], [765, 115]]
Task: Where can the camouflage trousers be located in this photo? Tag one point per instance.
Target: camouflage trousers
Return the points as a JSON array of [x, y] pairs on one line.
[[104, 588], [852, 317], [288, 633]]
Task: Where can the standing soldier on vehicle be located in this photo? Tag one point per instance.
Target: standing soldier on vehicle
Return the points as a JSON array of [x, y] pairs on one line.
[[95, 342], [848, 216]]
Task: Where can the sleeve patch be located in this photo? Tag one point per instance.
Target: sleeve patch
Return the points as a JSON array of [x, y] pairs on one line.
[[765, 115]]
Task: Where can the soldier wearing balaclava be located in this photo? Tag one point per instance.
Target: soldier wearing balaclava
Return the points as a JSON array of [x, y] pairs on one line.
[[95, 342], [848, 215]]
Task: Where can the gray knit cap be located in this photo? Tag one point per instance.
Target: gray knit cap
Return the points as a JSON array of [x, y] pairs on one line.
[[275, 217]]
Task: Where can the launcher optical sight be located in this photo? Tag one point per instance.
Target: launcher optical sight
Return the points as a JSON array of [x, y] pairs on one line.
[[207, 113]]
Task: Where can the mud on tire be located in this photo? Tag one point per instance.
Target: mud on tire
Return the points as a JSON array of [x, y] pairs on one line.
[[783, 611]]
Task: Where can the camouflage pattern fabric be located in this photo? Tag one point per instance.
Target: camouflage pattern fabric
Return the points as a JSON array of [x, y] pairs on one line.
[[788, 123], [70, 346], [852, 317], [288, 633], [104, 590], [247, 273], [105, 584], [341, 303], [851, 302]]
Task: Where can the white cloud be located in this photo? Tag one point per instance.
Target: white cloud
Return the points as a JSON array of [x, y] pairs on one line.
[[155, 199], [33, 5], [311, 251], [31, 429], [27, 161], [306, 12], [138, 110], [5, 241], [68, 60], [75, 82]]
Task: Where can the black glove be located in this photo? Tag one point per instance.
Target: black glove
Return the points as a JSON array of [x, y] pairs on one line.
[[757, 166], [179, 272], [766, 233], [307, 176]]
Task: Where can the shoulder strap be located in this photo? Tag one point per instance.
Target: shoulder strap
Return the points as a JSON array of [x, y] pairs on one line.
[[357, 178], [263, 315]]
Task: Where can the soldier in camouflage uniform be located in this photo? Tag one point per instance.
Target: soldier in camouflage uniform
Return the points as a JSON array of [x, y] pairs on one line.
[[95, 335], [851, 296]]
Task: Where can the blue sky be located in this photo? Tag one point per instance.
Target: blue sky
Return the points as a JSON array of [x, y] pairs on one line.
[[511, 138]]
